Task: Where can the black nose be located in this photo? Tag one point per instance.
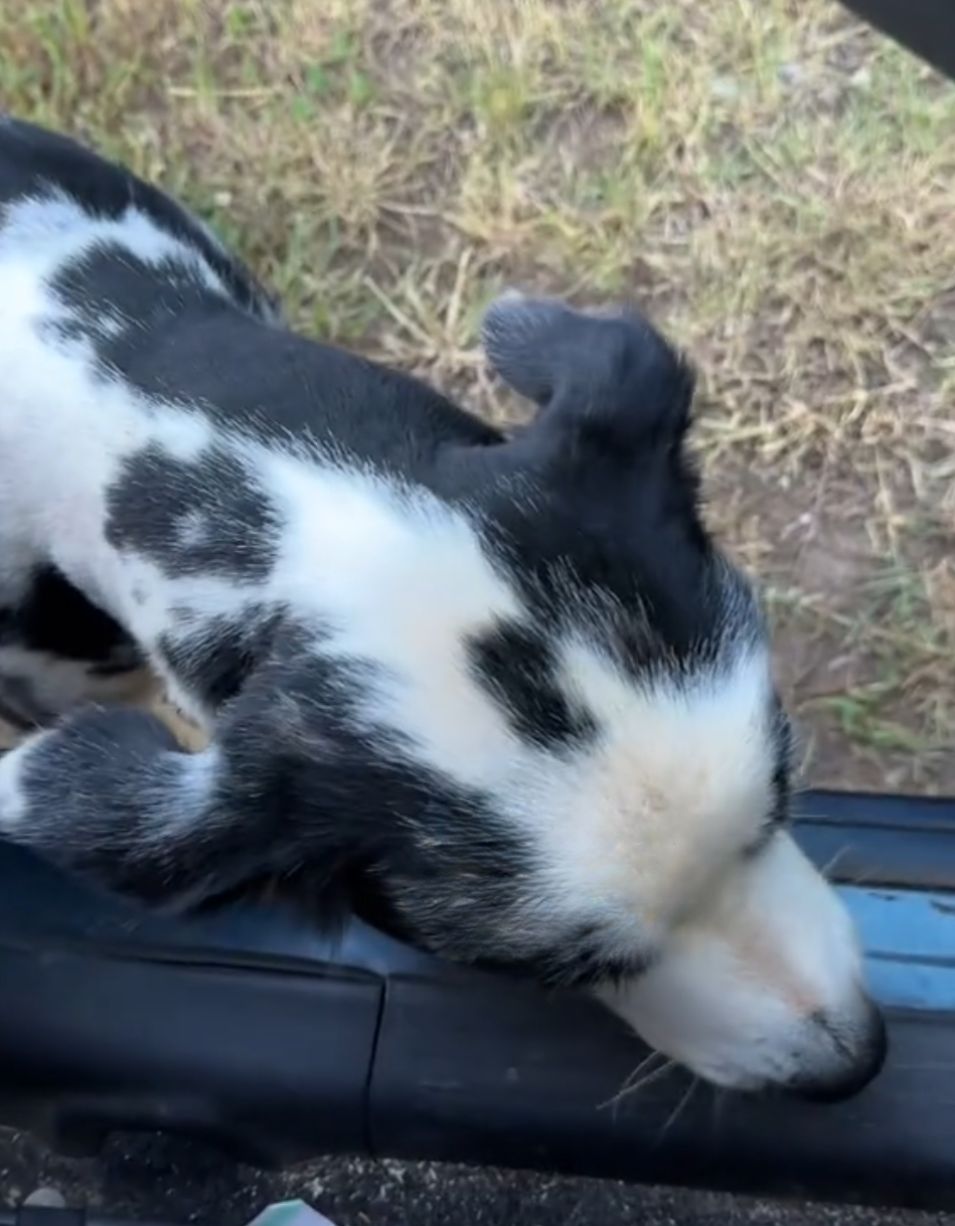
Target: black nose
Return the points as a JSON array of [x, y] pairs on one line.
[[850, 1075]]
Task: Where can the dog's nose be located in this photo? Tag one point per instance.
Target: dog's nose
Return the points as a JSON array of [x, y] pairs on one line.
[[862, 1061]]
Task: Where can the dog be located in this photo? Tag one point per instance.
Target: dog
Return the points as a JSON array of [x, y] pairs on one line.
[[502, 694]]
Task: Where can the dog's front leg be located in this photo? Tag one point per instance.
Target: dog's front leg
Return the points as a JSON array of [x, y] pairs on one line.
[[110, 795]]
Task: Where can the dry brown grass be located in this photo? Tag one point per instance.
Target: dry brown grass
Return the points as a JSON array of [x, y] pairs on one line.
[[774, 182]]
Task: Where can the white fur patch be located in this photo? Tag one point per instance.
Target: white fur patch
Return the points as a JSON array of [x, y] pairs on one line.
[[13, 802], [678, 780], [739, 987], [193, 529], [184, 801], [400, 580]]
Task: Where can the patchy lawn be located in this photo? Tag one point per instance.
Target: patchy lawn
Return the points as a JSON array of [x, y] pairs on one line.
[[775, 183]]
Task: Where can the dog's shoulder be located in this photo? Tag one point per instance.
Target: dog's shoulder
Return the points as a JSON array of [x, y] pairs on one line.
[[43, 172]]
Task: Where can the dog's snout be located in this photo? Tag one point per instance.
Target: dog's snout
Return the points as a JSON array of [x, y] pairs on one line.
[[861, 1056]]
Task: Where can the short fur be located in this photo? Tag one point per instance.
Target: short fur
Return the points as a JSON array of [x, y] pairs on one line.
[[501, 694]]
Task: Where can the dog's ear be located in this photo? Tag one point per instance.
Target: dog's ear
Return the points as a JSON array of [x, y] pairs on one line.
[[609, 379]]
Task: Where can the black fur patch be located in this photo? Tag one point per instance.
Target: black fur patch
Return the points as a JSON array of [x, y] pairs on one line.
[[113, 297], [200, 517], [517, 667], [214, 658], [783, 767], [54, 617]]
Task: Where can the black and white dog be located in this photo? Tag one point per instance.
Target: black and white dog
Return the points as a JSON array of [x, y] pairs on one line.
[[500, 693]]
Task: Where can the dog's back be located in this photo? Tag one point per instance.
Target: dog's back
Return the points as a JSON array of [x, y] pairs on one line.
[[121, 312], [58, 648]]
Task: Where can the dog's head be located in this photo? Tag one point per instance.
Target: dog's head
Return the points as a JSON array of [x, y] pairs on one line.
[[557, 738]]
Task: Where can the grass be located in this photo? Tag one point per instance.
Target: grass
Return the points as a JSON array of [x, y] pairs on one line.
[[772, 181]]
